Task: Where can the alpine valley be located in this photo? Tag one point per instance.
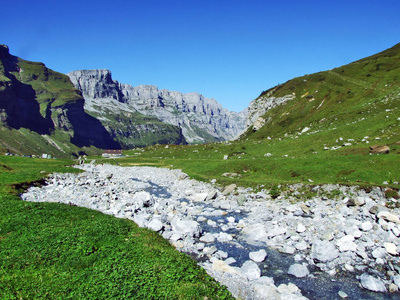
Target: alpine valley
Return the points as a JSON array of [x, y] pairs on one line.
[[41, 111]]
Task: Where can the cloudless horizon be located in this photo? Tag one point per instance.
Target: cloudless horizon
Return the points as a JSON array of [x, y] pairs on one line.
[[227, 50]]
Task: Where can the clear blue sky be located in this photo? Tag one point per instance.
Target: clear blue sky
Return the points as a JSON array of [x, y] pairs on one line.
[[227, 50]]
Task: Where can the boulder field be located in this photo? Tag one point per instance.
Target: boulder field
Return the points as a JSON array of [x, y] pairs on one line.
[[343, 242]]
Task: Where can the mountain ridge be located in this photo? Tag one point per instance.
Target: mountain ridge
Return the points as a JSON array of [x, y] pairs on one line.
[[201, 119]]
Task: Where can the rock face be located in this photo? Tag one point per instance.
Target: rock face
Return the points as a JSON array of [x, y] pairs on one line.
[[260, 106], [200, 119]]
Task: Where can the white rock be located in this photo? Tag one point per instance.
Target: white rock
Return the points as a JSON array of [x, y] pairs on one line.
[[250, 270], [387, 216], [379, 253], [155, 224], [207, 238], [366, 226], [346, 243], [221, 266], [186, 227], [224, 237], [391, 248], [396, 280], [199, 197], [323, 251], [298, 270], [372, 283], [230, 260], [301, 246], [211, 223], [258, 256], [276, 231], [300, 228], [231, 219]]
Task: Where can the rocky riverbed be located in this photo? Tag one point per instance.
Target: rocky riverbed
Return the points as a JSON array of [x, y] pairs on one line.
[[343, 242]]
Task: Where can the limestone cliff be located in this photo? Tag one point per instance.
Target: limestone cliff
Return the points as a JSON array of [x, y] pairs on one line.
[[201, 119]]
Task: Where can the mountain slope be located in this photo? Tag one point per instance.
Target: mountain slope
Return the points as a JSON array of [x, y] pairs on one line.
[[200, 119], [354, 101], [40, 110]]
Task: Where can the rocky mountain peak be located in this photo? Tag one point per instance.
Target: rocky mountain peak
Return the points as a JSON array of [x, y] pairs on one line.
[[201, 119], [95, 84], [4, 49]]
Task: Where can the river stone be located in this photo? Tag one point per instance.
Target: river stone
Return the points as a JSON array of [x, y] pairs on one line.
[[210, 250], [387, 216], [301, 246], [221, 266], [391, 248], [229, 189], [300, 228], [372, 283], [323, 251], [379, 253], [393, 288], [155, 224], [241, 199], [199, 197], [250, 270], [342, 295], [396, 280], [221, 254], [346, 243], [366, 226], [224, 237], [211, 223], [186, 227], [207, 238], [298, 270], [375, 209], [267, 292], [230, 260], [231, 219], [212, 195], [258, 256], [276, 231]]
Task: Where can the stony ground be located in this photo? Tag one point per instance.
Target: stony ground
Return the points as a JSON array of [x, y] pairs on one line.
[[235, 233]]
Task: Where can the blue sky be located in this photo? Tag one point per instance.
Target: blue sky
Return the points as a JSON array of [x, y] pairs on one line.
[[227, 50]]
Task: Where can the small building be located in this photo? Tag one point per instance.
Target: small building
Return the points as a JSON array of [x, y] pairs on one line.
[[112, 153]]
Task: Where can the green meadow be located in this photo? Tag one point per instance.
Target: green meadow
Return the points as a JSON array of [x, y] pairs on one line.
[[56, 251]]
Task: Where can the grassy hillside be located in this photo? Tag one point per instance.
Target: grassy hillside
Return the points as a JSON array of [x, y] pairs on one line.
[[321, 136], [41, 112], [353, 101], [57, 251]]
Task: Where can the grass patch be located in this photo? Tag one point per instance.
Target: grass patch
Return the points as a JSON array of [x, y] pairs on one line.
[[57, 251], [286, 164]]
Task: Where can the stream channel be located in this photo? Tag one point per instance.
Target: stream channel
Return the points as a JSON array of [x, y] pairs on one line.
[[318, 285]]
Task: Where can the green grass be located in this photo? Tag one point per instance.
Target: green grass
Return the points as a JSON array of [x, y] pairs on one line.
[[56, 251], [292, 161]]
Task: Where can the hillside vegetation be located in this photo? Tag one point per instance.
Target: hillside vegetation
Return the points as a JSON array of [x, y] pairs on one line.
[[42, 112]]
